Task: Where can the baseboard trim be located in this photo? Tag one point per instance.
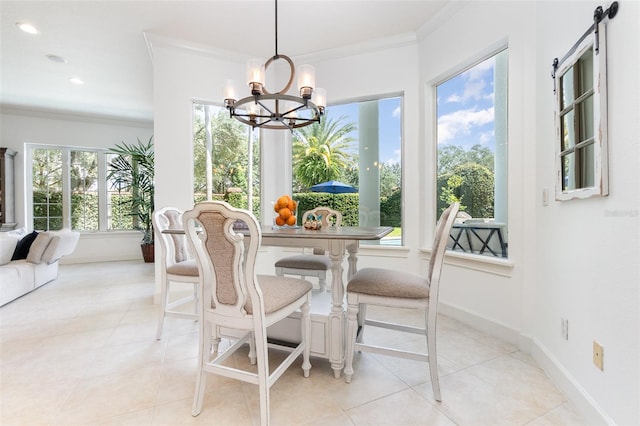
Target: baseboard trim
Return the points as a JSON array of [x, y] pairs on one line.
[[583, 403], [484, 324]]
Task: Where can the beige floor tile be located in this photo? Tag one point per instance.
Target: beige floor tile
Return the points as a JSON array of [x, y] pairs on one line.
[[31, 403], [224, 405], [82, 351], [98, 398], [136, 418], [563, 415], [385, 411]]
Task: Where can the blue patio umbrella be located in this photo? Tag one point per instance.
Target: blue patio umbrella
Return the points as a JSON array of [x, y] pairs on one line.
[[333, 187]]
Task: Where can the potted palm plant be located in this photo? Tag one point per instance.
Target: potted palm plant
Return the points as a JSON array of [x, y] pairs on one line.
[[132, 171]]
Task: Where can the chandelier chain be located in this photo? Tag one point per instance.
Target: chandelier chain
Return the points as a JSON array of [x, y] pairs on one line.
[[276, 55]]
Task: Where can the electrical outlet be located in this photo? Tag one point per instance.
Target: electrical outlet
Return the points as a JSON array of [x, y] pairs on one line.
[[564, 328], [598, 355]]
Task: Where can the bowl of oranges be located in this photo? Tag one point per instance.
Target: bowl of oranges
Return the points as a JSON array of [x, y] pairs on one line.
[[286, 212]]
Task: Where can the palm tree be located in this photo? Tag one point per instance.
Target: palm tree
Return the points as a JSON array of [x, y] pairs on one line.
[[322, 151], [132, 170]]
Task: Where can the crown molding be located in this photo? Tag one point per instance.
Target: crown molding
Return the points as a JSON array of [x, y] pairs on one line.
[[61, 114], [451, 8], [155, 40]]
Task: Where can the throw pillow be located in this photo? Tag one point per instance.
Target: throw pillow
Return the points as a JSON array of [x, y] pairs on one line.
[[23, 246], [7, 247], [38, 247]]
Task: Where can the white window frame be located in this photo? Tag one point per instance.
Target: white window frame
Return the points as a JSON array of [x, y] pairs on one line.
[[66, 187], [599, 90], [472, 259]]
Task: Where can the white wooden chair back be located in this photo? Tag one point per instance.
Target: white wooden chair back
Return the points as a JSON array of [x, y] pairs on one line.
[[226, 260]]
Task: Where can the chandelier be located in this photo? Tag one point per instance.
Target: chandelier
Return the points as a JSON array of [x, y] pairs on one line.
[[277, 110]]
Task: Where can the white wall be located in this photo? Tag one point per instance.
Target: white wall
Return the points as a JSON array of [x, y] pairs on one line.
[[20, 126], [472, 34], [575, 260], [588, 251]]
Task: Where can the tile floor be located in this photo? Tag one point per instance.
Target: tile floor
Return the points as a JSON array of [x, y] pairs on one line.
[[82, 351]]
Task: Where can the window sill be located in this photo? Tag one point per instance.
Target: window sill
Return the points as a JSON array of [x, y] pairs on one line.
[[112, 234], [491, 265]]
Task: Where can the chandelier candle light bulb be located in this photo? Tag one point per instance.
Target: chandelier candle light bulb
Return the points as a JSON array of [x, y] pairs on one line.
[[277, 110], [306, 80], [230, 92], [255, 76]]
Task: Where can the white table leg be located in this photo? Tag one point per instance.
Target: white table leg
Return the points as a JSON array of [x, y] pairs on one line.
[[336, 316]]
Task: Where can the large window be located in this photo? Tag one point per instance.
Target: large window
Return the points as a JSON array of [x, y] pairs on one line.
[[472, 155], [69, 190], [359, 144], [581, 121], [226, 159]]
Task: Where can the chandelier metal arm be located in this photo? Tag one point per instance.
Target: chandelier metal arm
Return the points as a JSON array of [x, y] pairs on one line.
[[269, 115]]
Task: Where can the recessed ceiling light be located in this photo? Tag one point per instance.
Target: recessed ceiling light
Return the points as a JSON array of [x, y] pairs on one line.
[[27, 28], [76, 80], [56, 58]]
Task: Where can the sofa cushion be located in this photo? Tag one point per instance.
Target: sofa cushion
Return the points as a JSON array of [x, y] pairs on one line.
[[23, 246], [38, 247], [7, 247], [62, 243]]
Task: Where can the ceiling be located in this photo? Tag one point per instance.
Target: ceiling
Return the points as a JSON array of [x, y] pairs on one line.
[[104, 45]]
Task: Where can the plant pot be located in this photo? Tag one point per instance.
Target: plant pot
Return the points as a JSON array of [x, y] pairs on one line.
[[148, 252]]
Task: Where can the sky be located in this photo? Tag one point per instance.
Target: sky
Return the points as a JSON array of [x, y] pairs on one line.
[[464, 112], [390, 121], [465, 108]]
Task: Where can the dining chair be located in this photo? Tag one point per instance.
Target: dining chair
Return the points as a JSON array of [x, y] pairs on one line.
[[399, 289], [176, 266], [236, 301], [318, 263]]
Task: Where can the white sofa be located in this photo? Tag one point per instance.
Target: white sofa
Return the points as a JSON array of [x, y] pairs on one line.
[[19, 277]]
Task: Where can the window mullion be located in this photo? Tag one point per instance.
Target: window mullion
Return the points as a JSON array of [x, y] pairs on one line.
[[66, 188], [102, 191], [576, 128]]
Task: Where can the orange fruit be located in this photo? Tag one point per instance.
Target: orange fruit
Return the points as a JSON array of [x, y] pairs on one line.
[[292, 205], [291, 221], [276, 207], [285, 213], [283, 201], [280, 221]]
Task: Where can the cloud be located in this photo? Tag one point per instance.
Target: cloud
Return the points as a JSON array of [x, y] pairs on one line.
[[462, 122], [397, 112], [395, 159], [475, 83]]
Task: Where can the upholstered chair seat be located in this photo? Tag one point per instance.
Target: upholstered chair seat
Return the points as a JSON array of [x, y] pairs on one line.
[[176, 266], [318, 263], [237, 301], [399, 289]]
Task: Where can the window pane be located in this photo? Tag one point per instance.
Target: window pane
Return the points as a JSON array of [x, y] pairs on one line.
[[84, 190], [226, 159], [568, 172], [585, 72], [587, 162], [567, 89], [119, 215], [359, 144], [568, 133], [46, 178], [472, 151], [585, 110]]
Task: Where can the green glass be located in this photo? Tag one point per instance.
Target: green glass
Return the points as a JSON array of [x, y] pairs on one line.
[[568, 172], [568, 133]]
